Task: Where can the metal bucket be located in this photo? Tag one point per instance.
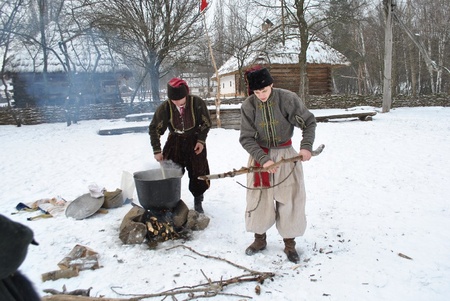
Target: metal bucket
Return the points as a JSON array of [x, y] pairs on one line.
[[158, 189]]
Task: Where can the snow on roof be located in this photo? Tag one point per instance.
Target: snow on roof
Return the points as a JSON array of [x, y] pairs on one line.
[[195, 79], [85, 54], [318, 53]]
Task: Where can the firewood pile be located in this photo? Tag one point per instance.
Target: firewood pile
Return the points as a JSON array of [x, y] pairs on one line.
[[155, 226], [160, 227]]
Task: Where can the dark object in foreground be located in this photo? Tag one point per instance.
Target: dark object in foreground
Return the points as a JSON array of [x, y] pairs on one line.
[[14, 241]]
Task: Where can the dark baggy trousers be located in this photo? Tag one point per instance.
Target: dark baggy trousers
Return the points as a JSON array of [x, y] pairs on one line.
[[180, 149]]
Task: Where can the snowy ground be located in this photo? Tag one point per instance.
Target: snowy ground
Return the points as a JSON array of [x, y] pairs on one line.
[[379, 190]]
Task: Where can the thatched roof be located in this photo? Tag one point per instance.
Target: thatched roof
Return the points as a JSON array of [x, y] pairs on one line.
[[85, 53], [318, 53]]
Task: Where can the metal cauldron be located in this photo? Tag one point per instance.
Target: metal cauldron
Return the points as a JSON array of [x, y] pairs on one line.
[[158, 188]]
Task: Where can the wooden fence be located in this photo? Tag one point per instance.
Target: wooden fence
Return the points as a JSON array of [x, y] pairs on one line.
[[229, 118]]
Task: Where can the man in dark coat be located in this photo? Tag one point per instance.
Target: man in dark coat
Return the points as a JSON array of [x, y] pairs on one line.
[[187, 118], [14, 241]]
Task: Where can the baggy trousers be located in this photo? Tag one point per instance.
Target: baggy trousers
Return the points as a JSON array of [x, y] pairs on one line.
[[180, 149], [283, 203]]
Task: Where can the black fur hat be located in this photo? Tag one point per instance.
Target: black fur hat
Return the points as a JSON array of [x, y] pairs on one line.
[[14, 241], [259, 79]]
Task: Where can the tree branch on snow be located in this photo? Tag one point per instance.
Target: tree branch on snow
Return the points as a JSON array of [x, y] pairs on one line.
[[211, 288]]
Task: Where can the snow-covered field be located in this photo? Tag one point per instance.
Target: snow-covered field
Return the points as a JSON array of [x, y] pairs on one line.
[[379, 190]]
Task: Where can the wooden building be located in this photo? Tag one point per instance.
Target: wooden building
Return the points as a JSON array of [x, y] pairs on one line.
[[282, 61], [82, 70]]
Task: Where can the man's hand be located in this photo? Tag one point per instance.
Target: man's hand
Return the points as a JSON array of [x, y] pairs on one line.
[[271, 170], [159, 157], [306, 154], [198, 148]]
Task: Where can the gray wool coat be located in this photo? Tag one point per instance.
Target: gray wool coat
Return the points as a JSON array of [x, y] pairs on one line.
[[270, 125]]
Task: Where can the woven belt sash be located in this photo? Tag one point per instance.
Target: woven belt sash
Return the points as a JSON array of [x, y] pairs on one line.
[[262, 179]]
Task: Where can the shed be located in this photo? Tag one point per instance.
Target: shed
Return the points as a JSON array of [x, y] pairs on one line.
[[282, 61], [81, 68]]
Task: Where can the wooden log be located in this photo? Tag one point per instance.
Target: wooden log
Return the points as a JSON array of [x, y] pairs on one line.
[[80, 258], [83, 298], [77, 292], [58, 274]]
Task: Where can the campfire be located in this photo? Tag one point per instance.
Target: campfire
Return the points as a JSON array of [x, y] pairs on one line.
[[161, 215], [160, 228], [155, 226]]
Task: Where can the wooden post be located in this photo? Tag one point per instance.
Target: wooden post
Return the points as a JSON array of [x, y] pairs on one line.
[[387, 81], [217, 101]]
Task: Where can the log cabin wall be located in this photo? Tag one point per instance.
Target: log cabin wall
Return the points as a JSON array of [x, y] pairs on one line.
[[86, 88], [287, 77], [319, 79]]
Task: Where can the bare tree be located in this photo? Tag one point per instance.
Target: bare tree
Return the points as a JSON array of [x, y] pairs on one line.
[[295, 21], [11, 16], [345, 31], [240, 34], [435, 19], [307, 20], [152, 32]]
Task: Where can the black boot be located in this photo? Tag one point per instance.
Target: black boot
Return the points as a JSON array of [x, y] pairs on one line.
[[198, 204], [259, 244], [289, 249]]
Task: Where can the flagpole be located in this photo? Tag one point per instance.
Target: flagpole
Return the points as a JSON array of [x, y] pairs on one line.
[[217, 101]]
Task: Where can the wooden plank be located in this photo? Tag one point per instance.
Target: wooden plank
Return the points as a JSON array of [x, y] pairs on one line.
[[363, 116], [124, 130], [139, 117]]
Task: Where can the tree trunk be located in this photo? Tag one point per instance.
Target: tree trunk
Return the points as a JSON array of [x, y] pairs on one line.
[[304, 43], [441, 54], [431, 69], [42, 24], [154, 79], [366, 74], [414, 75], [387, 80]]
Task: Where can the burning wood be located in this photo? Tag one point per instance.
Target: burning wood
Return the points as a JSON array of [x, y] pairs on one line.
[[157, 226], [160, 227]]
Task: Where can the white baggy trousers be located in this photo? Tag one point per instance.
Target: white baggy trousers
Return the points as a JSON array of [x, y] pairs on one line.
[[283, 203]]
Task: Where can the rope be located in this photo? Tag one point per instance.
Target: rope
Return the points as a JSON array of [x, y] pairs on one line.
[[262, 188]]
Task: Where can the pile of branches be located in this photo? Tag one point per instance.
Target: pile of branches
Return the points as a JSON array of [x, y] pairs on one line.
[[209, 289]]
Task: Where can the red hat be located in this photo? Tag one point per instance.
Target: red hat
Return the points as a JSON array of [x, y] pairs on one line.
[[177, 89]]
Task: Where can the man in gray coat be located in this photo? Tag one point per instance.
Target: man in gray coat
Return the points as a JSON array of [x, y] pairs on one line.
[[268, 118]]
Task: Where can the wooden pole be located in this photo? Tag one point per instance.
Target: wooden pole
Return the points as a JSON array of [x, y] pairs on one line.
[[217, 101], [387, 81], [282, 22]]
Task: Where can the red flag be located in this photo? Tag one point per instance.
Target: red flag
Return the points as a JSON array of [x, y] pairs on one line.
[[203, 5]]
